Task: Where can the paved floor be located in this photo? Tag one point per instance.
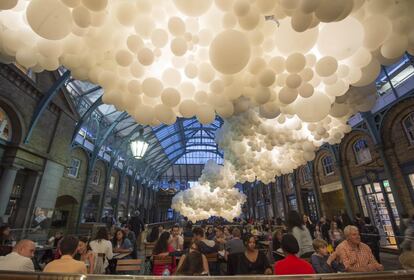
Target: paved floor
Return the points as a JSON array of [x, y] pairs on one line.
[[390, 261]]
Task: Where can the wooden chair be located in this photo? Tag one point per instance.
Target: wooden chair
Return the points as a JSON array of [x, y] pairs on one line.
[[148, 248], [212, 257], [128, 265], [162, 260]]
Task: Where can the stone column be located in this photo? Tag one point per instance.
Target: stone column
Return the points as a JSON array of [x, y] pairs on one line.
[[298, 194], [6, 187], [316, 190]]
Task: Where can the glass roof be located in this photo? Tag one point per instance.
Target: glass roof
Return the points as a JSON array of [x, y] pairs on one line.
[[185, 142]]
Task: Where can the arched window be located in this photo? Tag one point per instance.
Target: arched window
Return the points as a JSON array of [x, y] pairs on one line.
[[305, 173], [328, 165], [5, 126], [361, 151], [408, 123]]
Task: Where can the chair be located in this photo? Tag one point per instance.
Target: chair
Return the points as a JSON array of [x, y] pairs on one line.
[[148, 248], [128, 265], [212, 257], [162, 260]]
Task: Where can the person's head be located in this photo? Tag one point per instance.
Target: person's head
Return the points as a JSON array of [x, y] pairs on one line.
[[162, 244], [352, 234], [305, 218], [198, 233], [155, 232], [119, 235], [320, 246], [226, 230], [294, 220], [236, 233], [160, 228], [289, 244], [58, 234], [189, 226], [334, 225], [277, 235], [102, 234], [25, 248], [279, 221], [175, 231], [68, 245], [322, 220], [83, 245], [5, 230], [367, 220], [250, 242], [192, 265], [195, 246]]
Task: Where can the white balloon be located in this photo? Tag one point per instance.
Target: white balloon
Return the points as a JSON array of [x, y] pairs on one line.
[[44, 16], [229, 52]]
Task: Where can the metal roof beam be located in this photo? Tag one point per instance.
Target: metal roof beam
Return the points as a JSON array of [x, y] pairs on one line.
[[44, 102]]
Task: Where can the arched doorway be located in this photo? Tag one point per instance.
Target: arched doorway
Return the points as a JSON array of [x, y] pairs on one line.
[[65, 213]]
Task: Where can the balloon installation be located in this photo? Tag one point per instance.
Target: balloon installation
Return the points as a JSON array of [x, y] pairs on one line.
[[285, 75]]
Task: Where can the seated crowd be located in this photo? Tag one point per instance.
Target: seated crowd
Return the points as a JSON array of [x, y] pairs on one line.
[[297, 247]]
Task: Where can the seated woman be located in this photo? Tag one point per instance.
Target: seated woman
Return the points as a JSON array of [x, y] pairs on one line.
[[252, 261], [291, 264], [275, 246], [163, 247], [194, 263], [85, 254], [121, 243]]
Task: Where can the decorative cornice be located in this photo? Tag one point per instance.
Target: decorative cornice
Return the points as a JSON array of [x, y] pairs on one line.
[[25, 84]]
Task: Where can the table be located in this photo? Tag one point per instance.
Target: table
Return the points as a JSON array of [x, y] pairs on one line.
[[119, 256]]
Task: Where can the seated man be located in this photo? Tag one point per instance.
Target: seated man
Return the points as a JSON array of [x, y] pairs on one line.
[[235, 245], [66, 263], [355, 255], [206, 246], [177, 241], [20, 258]]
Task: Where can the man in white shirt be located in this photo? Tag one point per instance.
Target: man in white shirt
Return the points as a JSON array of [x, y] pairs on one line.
[[20, 258]]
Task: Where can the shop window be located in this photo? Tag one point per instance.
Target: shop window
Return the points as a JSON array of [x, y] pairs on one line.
[[112, 183], [328, 166], [96, 176], [306, 176], [408, 123], [5, 127], [362, 152], [74, 168]]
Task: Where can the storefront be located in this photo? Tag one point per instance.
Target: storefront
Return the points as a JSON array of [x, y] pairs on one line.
[[332, 199], [377, 202]]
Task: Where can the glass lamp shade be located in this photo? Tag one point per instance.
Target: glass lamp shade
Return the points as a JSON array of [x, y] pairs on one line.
[[138, 148]]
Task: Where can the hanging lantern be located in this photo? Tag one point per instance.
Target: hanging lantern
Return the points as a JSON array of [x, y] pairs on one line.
[[139, 146]]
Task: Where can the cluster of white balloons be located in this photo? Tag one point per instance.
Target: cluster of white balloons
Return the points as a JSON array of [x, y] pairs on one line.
[[261, 149], [288, 61], [162, 59], [213, 195]]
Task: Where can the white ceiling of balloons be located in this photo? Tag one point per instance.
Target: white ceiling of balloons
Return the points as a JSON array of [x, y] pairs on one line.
[[285, 75]]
